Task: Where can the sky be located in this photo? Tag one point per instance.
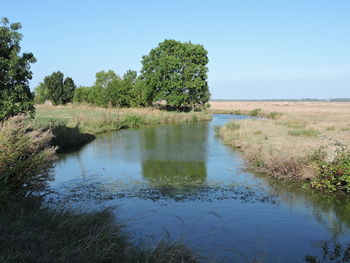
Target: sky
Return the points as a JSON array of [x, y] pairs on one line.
[[257, 49]]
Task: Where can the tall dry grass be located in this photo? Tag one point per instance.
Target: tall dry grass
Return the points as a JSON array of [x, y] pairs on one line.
[[290, 145], [26, 158]]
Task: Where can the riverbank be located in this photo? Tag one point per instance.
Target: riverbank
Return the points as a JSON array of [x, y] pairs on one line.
[[33, 232], [304, 141], [75, 125]]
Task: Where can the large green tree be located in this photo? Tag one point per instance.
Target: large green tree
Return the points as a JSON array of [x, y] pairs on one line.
[[15, 95], [58, 89], [177, 73]]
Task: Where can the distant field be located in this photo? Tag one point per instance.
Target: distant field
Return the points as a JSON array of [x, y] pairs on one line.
[[288, 107], [285, 143]]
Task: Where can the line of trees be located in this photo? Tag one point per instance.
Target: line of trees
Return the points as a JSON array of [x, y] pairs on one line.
[[112, 90], [174, 73]]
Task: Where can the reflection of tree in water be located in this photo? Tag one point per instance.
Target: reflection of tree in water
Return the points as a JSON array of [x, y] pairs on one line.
[[174, 157], [330, 210], [331, 251]]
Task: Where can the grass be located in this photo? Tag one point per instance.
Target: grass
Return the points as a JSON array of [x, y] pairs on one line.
[[290, 145], [96, 120], [74, 125], [31, 232]]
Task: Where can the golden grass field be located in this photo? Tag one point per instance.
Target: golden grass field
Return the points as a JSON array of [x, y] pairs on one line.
[[283, 145]]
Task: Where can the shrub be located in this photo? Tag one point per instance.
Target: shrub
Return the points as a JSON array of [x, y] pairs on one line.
[[255, 112], [26, 158], [334, 175], [274, 115]]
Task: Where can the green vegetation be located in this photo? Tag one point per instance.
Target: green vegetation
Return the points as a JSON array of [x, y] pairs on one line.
[[111, 90], [174, 76], [56, 88], [98, 120], [233, 125], [30, 231], [15, 95], [255, 112], [296, 147], [177, 73], [306, 133], [274, 115], [334, 175], [26, 158]]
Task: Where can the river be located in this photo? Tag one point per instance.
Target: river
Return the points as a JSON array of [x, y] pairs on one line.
[[181, 182]]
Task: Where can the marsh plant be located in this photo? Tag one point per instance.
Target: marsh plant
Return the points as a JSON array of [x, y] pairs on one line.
[[334, 170], [26, 158]]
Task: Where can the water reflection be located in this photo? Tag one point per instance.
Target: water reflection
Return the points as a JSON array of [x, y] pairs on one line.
[[174, 157], [330, 210], [159, 174]]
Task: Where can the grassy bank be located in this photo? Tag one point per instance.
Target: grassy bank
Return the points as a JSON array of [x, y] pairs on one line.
[[306, 142], [31, 232], [74, 125]]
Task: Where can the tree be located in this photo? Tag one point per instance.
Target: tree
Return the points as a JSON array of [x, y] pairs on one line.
[[105, 77], [15, 95], [59, 90], [176, 72], [41, 93]]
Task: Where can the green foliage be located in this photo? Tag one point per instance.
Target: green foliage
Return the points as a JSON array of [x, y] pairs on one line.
[[82, 94], [110, 90], [334, 175], [103, 78], [274, 115], [177, 73], [56, 88], [255, 112], [15, 95], [26, 158], [41, 94]]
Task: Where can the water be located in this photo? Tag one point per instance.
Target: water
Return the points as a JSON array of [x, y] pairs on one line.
[[182, 182]]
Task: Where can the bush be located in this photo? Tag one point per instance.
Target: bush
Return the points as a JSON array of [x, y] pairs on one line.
[[334, 175], [255, 112], [26, 158]]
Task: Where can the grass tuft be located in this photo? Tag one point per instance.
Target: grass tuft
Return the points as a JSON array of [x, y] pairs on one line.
[[306, 133], [33, 233]]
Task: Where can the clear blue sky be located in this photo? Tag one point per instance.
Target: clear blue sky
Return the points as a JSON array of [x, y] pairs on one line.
[[257, 49]]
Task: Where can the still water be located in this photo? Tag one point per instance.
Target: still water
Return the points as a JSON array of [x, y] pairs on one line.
[[182, 182]]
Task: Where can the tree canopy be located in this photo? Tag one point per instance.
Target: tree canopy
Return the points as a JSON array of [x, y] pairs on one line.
[[111, 90], [15, 95], [56, 88], [177, 73]]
